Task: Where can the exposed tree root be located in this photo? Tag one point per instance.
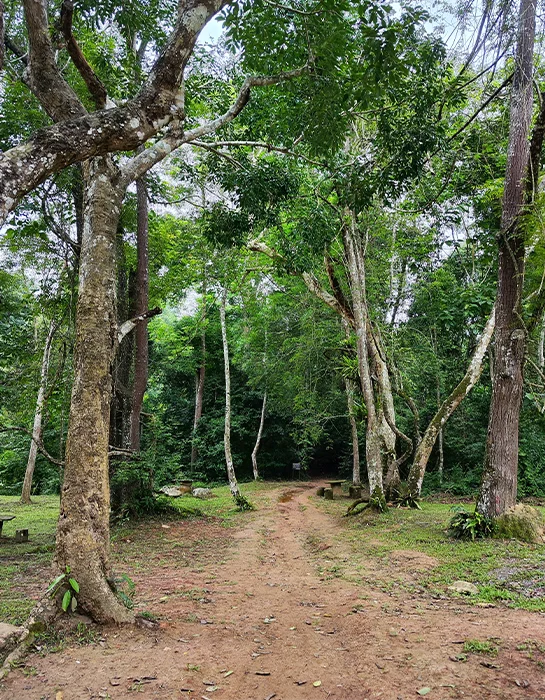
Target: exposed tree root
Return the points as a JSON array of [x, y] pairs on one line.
[[41, 617]]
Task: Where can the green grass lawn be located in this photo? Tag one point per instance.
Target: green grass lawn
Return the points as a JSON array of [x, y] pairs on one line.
[[504, 570], [25, 568]]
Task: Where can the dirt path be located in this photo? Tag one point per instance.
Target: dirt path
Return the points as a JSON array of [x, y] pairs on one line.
[[265, 624]]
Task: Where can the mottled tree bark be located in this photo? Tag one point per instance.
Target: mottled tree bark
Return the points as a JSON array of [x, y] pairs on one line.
[[356, 276], [499, 483], [233, 485], [83, 533], [37, 427]]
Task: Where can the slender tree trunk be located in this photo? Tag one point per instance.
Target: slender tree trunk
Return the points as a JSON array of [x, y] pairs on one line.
[[258, 439], [37, 427], [122, 385], [356, 276], [142, 299], [351, 389], [83, 532], [199, 387], [541, 344], [499, 484], [447, 408], [440, 460], [384, 401], [233, 485]]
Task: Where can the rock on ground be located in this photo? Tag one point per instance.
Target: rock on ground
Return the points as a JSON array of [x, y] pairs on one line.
[[464, 587], [203, 493]]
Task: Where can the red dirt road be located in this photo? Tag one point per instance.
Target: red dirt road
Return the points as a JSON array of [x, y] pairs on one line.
[[264, 624]]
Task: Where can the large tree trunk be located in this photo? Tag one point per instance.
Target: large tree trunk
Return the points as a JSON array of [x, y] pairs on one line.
[[83, 532], [37, 427], [259, 435], [447, 408], [499, 484], [142, 298], [233, 485]]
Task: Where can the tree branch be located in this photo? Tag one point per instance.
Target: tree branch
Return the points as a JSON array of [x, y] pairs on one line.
[[39, 443], [258, 144], [311, 282], [81, 135], [45, 79], [481, 108], [93, 82], [141, 163], [16, 51], [126, 327]]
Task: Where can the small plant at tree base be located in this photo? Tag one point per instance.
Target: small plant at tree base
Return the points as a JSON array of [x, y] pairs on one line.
[[377, 501], [64, 582], [242, 503], [469, 526], [403, 498], [125, 589]]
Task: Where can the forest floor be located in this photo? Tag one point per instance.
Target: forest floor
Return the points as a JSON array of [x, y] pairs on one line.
[[292, 602]]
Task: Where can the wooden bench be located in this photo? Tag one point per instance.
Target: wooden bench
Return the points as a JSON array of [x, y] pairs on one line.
[[5, 519]]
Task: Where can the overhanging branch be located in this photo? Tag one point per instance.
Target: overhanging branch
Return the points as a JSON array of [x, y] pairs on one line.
[[141, 163], [93, 82], [126, 327], [39, 443]]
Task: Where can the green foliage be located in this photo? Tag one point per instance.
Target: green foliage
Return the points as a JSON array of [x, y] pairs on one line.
[[469, 526], [68, 584], [403, 498], [242, 503], [125, 588]]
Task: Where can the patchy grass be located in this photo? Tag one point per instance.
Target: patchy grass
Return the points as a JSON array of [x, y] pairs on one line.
[[477, 646], [25, 566], [504, 570]]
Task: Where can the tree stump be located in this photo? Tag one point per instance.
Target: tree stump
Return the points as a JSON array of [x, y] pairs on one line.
[[185, 485], [328, 494], [21, 535], [320, 491]]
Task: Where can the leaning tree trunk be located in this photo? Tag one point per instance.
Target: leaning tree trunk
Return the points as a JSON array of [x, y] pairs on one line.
[[142, 298], [447, 408], [356, 276], [499, 483], [233, 485], [83, 532], [37, 427], [259, 435]]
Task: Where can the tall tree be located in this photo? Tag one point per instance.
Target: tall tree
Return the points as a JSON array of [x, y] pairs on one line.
[[499, 484]]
